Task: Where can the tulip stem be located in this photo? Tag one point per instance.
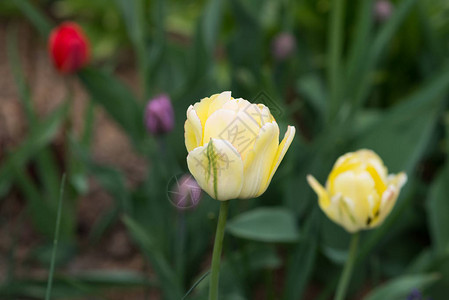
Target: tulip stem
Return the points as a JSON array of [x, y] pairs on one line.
[[216, 255], [347, 271]]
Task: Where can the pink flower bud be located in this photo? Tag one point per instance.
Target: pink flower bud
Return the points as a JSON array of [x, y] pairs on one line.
[[383, 10], [159, 115], [283, 46], [188, 192]]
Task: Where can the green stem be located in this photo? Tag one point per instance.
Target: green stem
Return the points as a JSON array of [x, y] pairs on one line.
[[218, 245], [347, 271], [335, 42]]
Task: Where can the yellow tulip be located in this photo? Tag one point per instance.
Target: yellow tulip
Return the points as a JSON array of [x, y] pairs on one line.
[[359, 193], [233, 146]]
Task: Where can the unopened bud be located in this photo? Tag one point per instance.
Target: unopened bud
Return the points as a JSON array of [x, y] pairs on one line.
[[159, 115], [383, 10], [283, 46]]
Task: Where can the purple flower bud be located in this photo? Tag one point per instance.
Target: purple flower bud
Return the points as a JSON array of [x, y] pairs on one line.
[[283, 46], [383, 10], [159, 115], [415, 294], [188, 192]]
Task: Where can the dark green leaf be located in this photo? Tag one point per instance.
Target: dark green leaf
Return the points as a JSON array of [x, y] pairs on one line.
[[116, 99], [399, 288], [438, 211], [400, 137], [168, 279], [42, 134], [269, 224]]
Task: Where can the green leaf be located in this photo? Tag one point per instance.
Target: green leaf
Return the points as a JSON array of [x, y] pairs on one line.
[[47, 168], [168, 279], [116, 99], [134, 16], [400, 287], [312, 88], [42, 134], [360, 43], [381, 41], [39, 20], [269, 224], [109, 178], [211, 24], [402, 134], [78, 285], [438, 211], [115, 278], [302, 260]]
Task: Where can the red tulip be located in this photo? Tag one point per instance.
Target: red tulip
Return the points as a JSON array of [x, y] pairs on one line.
[[68, 47]]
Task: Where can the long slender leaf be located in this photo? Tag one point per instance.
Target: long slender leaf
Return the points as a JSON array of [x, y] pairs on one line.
[[380, 43], [134, 14], [169, 285], [399, 288], [35, 16], [46, 164], [116, 99], [438, 211], [211, 23], [39, 138], [303, 259], [400, 137]]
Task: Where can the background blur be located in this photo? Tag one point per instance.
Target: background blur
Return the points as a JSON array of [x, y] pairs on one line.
[[381, 82]]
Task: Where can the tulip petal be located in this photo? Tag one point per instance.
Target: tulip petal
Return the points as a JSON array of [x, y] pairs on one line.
[[202, 108], [359, 188], [257, 165], [235, 127], [258, 113], [347, 214], [390, 196], [218, 102], [282, 149], [323, 197], [193, 130], [217, 168], [207, 106]]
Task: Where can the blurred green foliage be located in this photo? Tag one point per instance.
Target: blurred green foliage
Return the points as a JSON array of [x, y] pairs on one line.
[[351, 82]]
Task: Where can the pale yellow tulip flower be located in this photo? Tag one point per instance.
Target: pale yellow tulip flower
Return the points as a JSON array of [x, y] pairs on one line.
[[233, 146], [359, 193]]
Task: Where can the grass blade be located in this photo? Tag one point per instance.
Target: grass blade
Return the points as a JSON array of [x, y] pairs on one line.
[[195, 284], [55, 241], [36, 17]]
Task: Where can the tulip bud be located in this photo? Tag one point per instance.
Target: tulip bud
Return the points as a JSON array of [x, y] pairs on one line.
[[159, 115], [68, 47], [233, 146], [415, 294], [359, 193], [383, 10], [187, 192], [283, 46]]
